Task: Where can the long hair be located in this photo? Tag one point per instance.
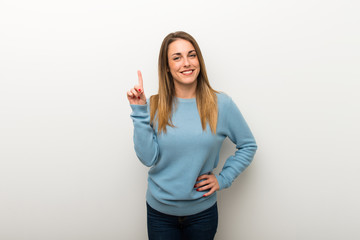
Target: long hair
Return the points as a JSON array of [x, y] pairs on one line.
[[161, 104]]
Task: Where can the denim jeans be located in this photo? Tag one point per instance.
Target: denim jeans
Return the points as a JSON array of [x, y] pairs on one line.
[[200, 226]]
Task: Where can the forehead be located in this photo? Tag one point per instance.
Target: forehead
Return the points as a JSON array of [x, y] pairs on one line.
[[180, 46]]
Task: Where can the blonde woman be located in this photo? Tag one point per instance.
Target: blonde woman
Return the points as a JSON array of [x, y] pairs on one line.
[[178, 133]]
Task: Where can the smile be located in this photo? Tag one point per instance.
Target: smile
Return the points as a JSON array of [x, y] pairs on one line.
[[187, 72]]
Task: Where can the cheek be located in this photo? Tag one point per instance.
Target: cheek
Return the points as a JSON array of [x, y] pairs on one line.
[[196, 63], [172, 70], [173, 67]]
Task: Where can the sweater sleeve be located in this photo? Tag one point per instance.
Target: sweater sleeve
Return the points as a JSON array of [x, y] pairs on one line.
[[145, 140], [239, 133]]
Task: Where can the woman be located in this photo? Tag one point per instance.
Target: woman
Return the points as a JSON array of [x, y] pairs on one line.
[[179, 133]]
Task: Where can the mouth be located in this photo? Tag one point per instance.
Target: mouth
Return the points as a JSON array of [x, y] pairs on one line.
[[187, 72]]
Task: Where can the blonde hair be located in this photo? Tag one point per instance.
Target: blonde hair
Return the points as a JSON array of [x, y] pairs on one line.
[[161, 104]]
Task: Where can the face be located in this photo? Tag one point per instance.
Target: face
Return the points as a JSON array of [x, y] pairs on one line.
[[183, 62]]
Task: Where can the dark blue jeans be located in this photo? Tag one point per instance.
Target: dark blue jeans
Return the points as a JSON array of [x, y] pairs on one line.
[[200, 226]]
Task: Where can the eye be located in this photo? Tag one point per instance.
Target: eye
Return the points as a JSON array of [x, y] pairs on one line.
[[193, 55], [176, 58]]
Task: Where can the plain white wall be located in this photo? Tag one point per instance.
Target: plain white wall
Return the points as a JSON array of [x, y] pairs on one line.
[[68, 169]]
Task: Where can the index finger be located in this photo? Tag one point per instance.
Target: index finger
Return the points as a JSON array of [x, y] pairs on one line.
[[140, 79], [202, 177]]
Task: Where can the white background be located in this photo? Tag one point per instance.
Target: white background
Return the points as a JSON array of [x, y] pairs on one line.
[[68, 169]]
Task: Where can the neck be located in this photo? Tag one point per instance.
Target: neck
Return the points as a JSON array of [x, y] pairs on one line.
[[185, 91]]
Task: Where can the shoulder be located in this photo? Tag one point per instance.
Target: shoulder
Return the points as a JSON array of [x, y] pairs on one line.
[[223, 99], [227, 108]]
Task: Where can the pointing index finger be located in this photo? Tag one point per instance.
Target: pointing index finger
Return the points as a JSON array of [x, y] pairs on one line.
[[140, 79]]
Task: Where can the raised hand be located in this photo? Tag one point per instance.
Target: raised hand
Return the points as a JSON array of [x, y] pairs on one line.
[[136, 95]]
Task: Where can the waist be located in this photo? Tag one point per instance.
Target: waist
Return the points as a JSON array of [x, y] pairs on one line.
[[192, 204]]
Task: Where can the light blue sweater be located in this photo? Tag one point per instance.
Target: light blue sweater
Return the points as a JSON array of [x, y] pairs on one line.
[[185, 152]]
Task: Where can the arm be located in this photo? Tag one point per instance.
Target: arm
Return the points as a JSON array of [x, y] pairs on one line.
[[145, 141], [239, 133]]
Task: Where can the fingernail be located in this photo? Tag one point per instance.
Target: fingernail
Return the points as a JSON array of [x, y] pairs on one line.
[[133, 96], [194, 186], [197, 190], [204, 195], [138, 97], [139, 90]]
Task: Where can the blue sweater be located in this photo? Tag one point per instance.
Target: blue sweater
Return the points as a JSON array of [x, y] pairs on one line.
[[185, 152]]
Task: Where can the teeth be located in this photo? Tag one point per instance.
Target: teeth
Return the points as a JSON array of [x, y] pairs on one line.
[[187, 72]]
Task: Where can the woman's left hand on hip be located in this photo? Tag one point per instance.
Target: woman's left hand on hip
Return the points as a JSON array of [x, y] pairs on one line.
[[208, 181]]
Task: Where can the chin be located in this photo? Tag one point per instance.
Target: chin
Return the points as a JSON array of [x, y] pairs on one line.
[[188, 81]]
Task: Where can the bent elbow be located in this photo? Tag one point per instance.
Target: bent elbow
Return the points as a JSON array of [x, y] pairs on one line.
[[148, 159]]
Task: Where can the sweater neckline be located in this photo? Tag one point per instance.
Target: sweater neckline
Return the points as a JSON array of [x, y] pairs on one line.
[[186, 100]]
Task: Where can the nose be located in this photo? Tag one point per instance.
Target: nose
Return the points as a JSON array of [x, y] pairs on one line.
[[186, 62]]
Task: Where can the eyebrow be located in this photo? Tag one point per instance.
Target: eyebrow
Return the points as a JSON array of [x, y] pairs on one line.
[[180, 53]]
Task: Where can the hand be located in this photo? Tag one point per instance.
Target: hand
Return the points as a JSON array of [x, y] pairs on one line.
[[136, 95], [209, 182]]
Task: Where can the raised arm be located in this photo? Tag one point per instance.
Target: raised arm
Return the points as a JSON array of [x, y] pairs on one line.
[[145, 140]]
